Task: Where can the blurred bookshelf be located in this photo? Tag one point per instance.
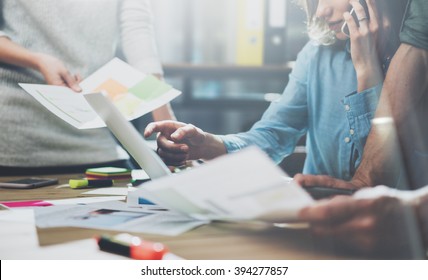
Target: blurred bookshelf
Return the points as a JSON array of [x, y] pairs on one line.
[[192, 76], [230, 58]]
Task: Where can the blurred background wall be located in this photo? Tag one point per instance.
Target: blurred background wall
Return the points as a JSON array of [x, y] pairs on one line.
[[230, 58]]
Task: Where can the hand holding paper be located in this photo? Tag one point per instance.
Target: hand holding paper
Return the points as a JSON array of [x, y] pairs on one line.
[[55, 73], [131, 91]]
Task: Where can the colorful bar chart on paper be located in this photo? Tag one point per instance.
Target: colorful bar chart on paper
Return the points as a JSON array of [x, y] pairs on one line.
[[131, 91]]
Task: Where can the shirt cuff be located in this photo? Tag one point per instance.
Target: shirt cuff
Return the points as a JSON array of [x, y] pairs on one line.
[[365, 101], [232, 143]]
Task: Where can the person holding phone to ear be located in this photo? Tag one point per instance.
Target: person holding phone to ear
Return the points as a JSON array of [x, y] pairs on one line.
[[331, 95], [374, 219], [345, 28]]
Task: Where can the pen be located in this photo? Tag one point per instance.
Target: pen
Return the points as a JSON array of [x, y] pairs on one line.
[[131, 246], [85, 183]]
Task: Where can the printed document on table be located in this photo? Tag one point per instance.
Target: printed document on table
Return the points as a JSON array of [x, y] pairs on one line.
[[117, 216], [245, 185], [131, 91]]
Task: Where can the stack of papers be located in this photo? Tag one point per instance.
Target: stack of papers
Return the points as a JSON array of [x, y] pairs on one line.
[[245, 185], [113, 173], [117, 216]]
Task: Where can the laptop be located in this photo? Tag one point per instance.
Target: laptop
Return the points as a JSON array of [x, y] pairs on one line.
[[128, 136]]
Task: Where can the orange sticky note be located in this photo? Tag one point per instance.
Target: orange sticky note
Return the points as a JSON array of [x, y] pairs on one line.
[[113, 88]]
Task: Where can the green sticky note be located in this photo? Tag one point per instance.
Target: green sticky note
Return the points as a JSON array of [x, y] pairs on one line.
[[149, 88]]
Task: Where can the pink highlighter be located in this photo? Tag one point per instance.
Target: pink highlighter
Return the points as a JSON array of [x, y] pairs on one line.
[[26, 203]]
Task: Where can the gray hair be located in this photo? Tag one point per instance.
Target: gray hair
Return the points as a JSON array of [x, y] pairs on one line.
[[318, 29]]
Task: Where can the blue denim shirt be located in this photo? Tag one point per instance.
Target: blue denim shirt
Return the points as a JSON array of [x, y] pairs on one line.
[[320, 100]]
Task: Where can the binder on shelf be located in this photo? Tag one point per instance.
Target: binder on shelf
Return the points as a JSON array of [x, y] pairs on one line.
[[250, 32], [275, 32]]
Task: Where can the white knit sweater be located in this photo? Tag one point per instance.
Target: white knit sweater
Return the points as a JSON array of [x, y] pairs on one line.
[[84, 34]]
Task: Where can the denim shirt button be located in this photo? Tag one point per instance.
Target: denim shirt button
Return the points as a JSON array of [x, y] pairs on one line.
[[347, 139], [347, 107], [352, 132]]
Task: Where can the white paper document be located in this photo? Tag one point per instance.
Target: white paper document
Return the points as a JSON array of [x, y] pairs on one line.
[[245, 185], [119, 191], [131, 91], [116, 216], [18, 215], [86, 200]]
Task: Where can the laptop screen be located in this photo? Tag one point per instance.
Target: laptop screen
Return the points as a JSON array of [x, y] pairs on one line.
[[128, 136]]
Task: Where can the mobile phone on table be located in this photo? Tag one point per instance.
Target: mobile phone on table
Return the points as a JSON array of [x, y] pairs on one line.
[[320, 192], [28, 183], [345, 28]]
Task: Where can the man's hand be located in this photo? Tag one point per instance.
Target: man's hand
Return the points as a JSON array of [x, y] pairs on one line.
[[326, 181], [370, 226], [177, 141], [364, 38]]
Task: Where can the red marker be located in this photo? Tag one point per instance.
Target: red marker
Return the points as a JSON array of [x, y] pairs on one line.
[[131, 246]]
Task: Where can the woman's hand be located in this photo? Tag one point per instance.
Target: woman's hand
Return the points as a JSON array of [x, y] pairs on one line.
[[52, 69], [179, 142], [364, 38], [55, 73]]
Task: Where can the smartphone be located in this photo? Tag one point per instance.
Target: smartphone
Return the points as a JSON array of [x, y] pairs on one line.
[[320, 192], [28, 183], [345, 28]]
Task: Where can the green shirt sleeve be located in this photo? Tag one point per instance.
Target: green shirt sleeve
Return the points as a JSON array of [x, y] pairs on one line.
[[415, 26]]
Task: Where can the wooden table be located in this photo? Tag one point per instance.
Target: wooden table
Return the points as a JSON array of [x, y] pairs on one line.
[[22, 240]]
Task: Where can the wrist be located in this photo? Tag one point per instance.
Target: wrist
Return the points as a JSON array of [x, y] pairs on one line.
[[369, 76], [35, 61], [361, 179], [213, 146], [359, 184]]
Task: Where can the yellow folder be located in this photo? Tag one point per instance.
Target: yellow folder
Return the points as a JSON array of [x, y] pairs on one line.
[[250, 32]]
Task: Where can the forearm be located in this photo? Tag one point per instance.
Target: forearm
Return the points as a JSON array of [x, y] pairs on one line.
[[14, 54], [409, 110], [369, 76], [213, 147], [422, 212], [404, 84], [138, 37], [381, 162]]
